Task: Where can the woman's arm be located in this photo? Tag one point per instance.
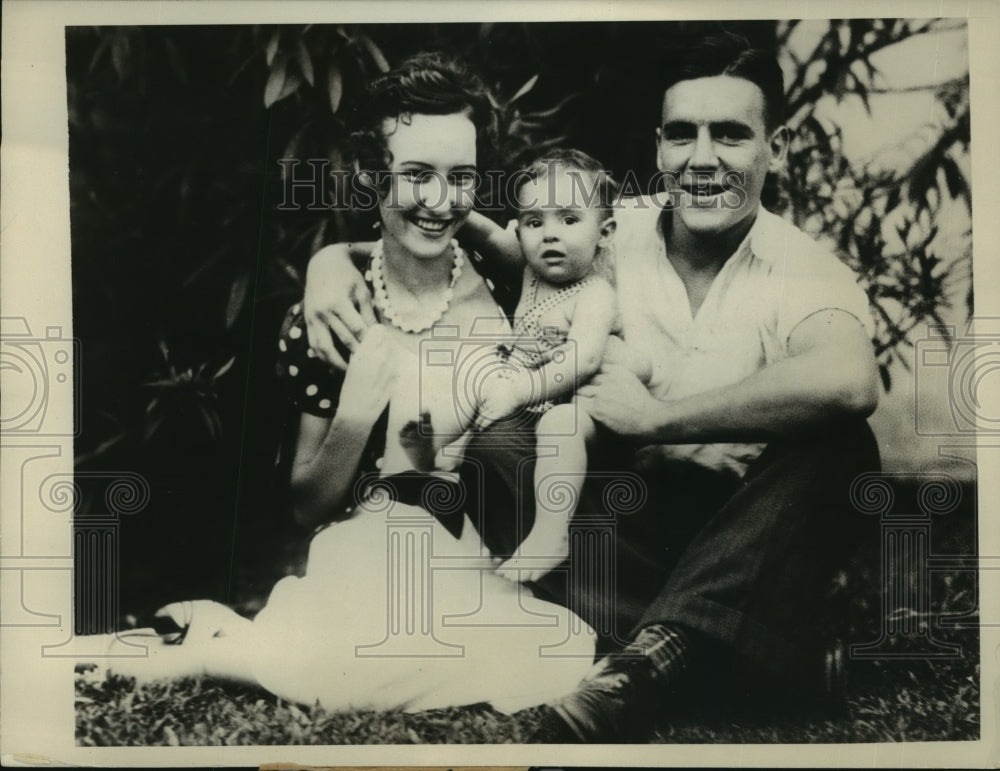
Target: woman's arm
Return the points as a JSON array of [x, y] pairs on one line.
[[327, 456], [569, 366], [329, 450]]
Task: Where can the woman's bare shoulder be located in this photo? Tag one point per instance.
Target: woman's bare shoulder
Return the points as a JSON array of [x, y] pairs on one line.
[[470, 283]]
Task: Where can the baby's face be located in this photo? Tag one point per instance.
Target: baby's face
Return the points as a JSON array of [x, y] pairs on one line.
[[558, 231]]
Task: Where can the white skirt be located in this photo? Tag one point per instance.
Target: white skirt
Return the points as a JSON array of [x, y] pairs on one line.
[[395, 613]]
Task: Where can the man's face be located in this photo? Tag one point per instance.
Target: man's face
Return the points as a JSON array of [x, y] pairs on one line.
[[716, 150]]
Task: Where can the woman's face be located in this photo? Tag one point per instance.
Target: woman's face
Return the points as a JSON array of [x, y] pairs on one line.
[[432, 164]]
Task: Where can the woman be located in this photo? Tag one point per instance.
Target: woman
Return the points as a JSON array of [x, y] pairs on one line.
[[398, 608]]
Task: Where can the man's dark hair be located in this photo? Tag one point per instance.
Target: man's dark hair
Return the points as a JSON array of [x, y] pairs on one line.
[[730, 54], [430, 83], [604, 195]]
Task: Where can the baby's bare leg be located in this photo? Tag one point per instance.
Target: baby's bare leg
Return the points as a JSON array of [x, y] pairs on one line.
[[562, 435]]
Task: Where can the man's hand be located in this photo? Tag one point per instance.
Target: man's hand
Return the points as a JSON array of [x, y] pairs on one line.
[[337, 302], [617, 399]]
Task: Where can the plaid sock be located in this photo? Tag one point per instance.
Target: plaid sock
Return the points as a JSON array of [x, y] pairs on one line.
[[665, 648]]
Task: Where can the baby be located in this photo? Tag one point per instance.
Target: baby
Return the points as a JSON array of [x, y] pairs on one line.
[[566, 313]]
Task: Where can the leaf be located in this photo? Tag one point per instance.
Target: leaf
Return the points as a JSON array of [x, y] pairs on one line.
[[530, 84], [170, 736], [211, 421], [319, 238], [883, 371], [335, 86], [292, 84], [99, 52], [272, 48], [276, 81], [119, 53], [152, 427], [953, 177], [164, 350], [305, 63], [175, 60], [375, 52], [224, 368], [543, 114], [237, 299]]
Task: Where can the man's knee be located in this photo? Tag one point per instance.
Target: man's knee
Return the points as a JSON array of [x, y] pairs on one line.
[[839, 451]]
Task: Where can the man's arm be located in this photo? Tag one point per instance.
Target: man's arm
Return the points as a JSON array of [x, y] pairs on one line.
[[498, 246], [337, 300], [830, 373]]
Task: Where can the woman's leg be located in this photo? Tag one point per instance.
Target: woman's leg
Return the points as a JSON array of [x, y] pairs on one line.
[[562, 436], [215, 643]]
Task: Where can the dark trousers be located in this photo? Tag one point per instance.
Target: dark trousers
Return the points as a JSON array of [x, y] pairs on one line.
[[746, 564]]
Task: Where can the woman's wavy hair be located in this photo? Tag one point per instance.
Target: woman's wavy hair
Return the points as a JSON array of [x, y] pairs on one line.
[[430, 83]]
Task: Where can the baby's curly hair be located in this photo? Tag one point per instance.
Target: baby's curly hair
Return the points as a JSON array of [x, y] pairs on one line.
[[430, 83], [605, 192]]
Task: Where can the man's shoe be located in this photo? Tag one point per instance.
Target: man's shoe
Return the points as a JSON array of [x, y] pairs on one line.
[[618, 702]]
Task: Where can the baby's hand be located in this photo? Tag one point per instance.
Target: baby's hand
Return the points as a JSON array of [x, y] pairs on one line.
[[498, 398]]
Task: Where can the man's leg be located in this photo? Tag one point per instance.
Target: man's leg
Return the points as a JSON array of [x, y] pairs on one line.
[[753, 580]]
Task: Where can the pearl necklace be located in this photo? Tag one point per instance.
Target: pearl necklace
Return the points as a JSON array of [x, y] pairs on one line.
[[433, 314]]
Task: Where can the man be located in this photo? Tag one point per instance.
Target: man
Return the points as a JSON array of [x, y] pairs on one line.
[[749, 427]]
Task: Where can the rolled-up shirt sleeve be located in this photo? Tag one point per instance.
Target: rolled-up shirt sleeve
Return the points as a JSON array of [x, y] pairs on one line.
[[816, 281]]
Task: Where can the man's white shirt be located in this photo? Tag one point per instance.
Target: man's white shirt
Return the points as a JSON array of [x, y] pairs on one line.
[[776, 278]]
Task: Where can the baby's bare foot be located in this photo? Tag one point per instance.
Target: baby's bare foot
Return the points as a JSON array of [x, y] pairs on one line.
[[544, 549], [417, 439]]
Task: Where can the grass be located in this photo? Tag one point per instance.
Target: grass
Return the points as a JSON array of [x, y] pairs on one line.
[[886, 700], [933, 703]]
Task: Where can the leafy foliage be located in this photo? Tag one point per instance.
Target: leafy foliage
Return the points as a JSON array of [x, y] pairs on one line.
[[883, 215]]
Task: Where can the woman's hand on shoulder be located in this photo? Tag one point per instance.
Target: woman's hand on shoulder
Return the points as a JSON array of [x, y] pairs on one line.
[[337, 301]]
